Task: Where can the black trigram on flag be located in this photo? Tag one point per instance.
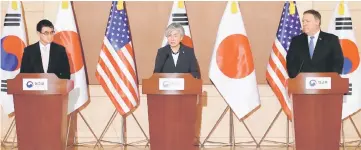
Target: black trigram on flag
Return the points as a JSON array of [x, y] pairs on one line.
[[349, 90], [181, 18], [3, 86], [343, 23], [12, 20]]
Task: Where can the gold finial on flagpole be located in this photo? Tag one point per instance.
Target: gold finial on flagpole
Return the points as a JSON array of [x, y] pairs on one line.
[[292, 8], [180, 4], [341, 8], [234, 8], [120, 5], [64, 4], [14, 5]]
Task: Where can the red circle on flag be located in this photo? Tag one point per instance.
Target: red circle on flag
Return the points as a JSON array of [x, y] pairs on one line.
[[234, 57], [71, 41], [187, 41]]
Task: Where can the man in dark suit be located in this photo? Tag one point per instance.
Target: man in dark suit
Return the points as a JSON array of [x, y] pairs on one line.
[[46, 56], [175, 57], [314, 50]]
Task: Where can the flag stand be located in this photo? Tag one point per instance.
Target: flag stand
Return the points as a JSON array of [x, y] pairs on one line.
[[124, 137], [357, 131], [8, 132], [231, 130], [87, 124], [287, 144]]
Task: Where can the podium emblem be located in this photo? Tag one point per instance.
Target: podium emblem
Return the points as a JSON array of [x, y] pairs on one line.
[[29, 84], [171, 84], [313, 83]]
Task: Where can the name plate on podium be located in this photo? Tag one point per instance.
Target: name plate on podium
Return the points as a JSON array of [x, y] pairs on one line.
[[313, 83], [30, 84], [171, 83]]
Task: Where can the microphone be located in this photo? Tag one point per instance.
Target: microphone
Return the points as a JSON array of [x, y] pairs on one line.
[[165, 60]]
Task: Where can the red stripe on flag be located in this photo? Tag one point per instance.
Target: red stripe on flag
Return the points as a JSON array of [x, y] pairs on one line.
[[120, 73], [128, 66], [115, 84], [279, 55], [278, 73], [110, 95], [280, 77], [130, 50], [279, 95]]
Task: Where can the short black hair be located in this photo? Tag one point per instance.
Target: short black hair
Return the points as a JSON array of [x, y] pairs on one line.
[[315, 14], [44, 23]]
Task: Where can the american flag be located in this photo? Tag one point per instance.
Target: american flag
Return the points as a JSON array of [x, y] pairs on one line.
[[277, 75], [116, 66]]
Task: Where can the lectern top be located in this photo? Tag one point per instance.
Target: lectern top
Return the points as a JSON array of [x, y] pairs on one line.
[[39, 84], [318, 83]]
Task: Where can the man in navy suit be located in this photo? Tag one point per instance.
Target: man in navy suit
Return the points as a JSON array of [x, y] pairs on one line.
[[314, 50], [176, 57], [46, 56]]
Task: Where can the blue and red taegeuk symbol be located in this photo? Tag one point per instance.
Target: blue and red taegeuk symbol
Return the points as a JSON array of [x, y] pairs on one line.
[[351, 56], [11, 48]]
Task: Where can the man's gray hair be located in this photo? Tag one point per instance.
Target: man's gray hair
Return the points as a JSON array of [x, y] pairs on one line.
[[172, 27]]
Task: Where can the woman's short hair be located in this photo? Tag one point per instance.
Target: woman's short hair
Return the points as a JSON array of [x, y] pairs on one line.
[[174, 26]]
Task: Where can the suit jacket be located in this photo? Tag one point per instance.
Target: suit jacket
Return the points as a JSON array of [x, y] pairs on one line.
[[58, 61], [327, 55], [186, 63]]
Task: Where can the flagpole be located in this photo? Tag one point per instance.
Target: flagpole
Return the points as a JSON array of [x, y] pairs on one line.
[[231, 129]]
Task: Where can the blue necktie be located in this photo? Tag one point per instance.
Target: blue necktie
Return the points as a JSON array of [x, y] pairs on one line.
[[311, 46]]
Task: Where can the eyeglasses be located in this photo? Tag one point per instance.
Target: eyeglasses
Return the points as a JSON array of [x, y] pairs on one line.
[[49, 33]]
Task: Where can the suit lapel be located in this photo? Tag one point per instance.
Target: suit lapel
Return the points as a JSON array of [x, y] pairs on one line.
[[38, 58], [51, 55], [180, 57], [171, 57]]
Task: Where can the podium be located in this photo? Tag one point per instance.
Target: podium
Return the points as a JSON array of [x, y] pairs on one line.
[[317, 109], [41, 105], [172, 100]]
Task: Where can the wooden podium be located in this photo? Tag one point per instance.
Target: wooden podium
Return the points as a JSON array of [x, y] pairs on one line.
[[41, 104], [172, 100], [317, 109]]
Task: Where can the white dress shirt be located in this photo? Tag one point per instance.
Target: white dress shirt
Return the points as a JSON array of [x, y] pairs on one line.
[[175, 58], [45, 54], [314, 39]]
